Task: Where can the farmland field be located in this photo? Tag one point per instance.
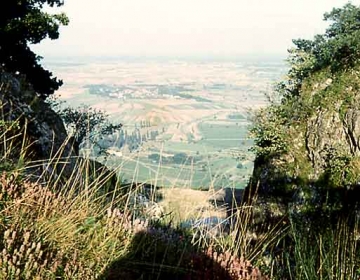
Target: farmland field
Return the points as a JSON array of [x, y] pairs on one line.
[[184, 123]]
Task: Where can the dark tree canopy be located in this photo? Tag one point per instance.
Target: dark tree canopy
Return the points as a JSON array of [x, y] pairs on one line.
[[24, 22], [338, 48]]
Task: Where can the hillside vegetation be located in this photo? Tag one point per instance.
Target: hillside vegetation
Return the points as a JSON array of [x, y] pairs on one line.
[[63, 216], [308, 139], [307, 150]]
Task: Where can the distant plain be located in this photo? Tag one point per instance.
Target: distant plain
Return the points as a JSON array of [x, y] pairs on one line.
[[198, 109]]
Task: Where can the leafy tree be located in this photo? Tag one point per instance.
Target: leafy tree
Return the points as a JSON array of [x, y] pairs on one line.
[[338, 48], [87, 124], [23, 22]]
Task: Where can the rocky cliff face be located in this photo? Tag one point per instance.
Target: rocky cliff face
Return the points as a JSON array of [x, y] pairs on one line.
[[44, 132], [316, 143]]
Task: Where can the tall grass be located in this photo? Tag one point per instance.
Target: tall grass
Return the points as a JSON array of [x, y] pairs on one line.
[[48, 235], [326, 251], [79, 227], [85, 226]]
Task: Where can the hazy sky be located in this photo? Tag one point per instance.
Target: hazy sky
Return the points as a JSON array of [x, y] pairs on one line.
[[186, 27]]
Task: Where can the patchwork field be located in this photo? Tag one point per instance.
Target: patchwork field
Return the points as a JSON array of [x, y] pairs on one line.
[[188, 121]]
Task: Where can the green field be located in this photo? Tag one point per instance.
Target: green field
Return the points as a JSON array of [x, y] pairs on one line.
[[219, 173], [216, 166]]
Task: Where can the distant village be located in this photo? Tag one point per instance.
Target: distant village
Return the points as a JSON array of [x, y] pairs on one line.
[[139, 91]]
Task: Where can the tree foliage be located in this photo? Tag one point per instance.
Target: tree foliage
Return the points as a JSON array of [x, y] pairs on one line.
[[338, 48], [87, 124], [306, 139], [24, 22]]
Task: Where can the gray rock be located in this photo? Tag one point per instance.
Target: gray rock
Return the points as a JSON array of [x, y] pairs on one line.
[[143, 207], [209, 226], [44, 128]]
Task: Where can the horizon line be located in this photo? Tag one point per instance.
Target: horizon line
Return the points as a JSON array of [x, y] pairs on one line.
[[280, 57]]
